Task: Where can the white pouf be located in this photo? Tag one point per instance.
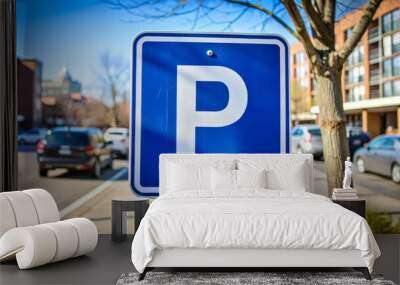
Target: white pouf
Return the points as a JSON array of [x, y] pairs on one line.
[[31, 232]]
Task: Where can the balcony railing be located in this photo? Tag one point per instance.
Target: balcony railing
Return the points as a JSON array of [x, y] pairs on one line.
[[373, 34], [373, 54], [374, 94], [374, 78]]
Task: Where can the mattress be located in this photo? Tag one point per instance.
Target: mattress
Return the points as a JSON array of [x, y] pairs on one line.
[[250, 219]]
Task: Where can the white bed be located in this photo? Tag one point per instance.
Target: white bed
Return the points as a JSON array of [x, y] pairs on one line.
[[281, 225]]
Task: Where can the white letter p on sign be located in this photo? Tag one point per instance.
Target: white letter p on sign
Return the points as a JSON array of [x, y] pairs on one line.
[[187, 118]]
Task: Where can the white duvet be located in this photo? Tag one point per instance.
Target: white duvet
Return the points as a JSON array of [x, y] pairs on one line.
[[252, 218]]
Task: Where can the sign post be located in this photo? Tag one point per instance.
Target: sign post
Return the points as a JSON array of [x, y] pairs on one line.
[[206, 93]]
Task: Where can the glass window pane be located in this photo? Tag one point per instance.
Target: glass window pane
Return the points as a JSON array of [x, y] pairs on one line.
[[387, 46], [396, 42], [396, 19], [387, 68], [361, 76], [388, 143], [387, 22], [387, 89], [67, 138], [396, 88], [361, 92], [376, 143], [315, 132], [361, 55], [356, 74], [351, 94], [396, 65]]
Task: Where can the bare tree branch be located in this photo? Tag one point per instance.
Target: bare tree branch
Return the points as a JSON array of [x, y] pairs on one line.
[[113, 75], [234, 20], [324, 34], [359, 29], [265, 11], [302, 33], [329, 13], [319, 6]]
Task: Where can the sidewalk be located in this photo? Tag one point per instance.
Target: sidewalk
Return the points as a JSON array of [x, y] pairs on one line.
[[98, 209], [382, 194]]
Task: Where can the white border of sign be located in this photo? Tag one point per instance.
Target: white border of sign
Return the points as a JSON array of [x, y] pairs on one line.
[[199, 39]]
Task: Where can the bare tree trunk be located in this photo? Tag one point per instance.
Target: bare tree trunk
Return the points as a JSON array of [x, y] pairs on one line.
[[333, 126], [115, 114], [114, 105]]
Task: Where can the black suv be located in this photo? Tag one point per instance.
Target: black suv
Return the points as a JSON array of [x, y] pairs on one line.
[[75, 149]]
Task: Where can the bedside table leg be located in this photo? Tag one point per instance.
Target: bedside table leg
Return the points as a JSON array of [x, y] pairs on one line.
[[116, 221]]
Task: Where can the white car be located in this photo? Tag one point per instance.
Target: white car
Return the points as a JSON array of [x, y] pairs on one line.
[[120, 141], [307, 139]]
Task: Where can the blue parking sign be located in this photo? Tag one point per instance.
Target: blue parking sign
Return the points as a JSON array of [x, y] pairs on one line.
[[206, 93]]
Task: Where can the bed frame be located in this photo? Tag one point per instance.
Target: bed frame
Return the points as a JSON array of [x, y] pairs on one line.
[[249, 259], [246, 259]]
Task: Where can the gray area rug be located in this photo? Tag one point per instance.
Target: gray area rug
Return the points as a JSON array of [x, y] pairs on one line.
[[273, 278]]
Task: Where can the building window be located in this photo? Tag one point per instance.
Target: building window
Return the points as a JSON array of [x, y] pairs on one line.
[[396, 88], [387, 68], [396, 19], [356, 93], [387, 46], [347, 33], [396, 42], [387, 21], [396, 65], [391, 88], [300, 57], [391, 44], [301, 75], [387, 89], [357, 56], [391, 21], [356, 74]]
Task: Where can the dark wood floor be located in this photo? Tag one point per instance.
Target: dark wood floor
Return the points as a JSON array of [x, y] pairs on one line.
[[110, 259], [103, 266]]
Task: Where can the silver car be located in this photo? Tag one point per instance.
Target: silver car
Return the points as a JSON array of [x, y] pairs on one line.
[[381, 156], [307, 139]]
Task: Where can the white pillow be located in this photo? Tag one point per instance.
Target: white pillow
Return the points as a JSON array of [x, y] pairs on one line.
[[223, 179], [237, 179], [251, 178], [187, 175], [287, 175], [295, 180]]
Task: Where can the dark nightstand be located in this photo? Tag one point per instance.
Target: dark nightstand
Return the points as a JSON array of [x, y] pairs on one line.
[[357, 206], [120, 205]]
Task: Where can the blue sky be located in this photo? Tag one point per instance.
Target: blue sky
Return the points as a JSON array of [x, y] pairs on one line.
[[73, 33]]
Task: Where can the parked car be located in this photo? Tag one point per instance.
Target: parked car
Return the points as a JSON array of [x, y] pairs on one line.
[[381, 156], [307, 139], [119, 137], [75, 149], [31, 136], [357, 138]]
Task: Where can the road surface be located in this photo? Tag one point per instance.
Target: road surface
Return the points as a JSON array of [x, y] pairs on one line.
[[381, 193], [65, 187]]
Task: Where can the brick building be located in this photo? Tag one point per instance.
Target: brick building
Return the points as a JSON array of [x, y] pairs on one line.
[[29, 80], [371, 75]]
